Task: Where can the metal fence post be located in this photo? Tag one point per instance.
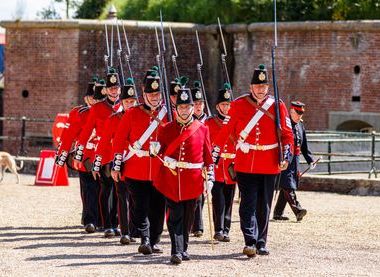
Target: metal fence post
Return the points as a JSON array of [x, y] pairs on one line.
[[373, 148], [329, 157], [23, 129]]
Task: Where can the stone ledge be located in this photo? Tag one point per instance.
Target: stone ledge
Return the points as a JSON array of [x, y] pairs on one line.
[[346, 184]]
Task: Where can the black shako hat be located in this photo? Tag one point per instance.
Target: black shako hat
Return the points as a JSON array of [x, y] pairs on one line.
[[196, 92], [184, 96], [224, 94], [152, 83], [100, 90], [90, 86], [112, 78], [128, 90], [260, 76]]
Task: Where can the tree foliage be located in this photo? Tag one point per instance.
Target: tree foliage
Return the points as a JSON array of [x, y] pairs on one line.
[[233, 11]]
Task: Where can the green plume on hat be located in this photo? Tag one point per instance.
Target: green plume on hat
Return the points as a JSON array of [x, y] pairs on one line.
[[176, 80], [183, 80], [102, 82], [227, 86], [95, 78], [130, 81], [261, 66], [112, 70], [153, 74], [197, 84], [155, 68]]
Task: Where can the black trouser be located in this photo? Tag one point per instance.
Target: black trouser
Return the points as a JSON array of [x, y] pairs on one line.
[[90, 195], [124, 208], [149, 209], [108, 201], [181, 216], [255, 204], [222, 200], [287, 195], [198, 218]]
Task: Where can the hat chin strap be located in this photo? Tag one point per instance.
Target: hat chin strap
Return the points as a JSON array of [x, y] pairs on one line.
[[220, 112], [147, 102], [187, 119]]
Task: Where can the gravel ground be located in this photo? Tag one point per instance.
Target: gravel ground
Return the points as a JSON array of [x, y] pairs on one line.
[[40, 234]]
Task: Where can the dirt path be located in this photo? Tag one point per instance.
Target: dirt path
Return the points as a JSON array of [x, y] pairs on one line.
[[40, 234]]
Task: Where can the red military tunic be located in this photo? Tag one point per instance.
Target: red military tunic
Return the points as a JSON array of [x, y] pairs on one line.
[[215, 125], [196, 149], [94, 126], [104, 149], [131, 127], [263, 133], [77, 118]]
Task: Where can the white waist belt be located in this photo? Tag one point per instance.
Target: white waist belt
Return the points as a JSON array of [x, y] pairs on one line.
[[174, 163], [228, 155], [256, 147], [139, 153]]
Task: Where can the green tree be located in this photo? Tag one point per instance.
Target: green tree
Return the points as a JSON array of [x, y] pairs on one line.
[[91, 9]]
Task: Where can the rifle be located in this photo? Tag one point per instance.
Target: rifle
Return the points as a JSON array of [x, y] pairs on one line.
[[223, 57], [199, 70], [127, 56], [119, 52], [275, 89], [106, 57], [174, 57], [309, 167], [160, 71], [163, 71]]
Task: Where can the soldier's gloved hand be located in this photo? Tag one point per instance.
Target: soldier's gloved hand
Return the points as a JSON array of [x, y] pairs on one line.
[[207, 187], [170, 163], [215, 154], [313, 165], [244, 147], [283, 165], [154, 148], [61, 159]]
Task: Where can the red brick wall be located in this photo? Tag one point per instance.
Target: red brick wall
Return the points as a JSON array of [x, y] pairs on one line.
[[315, 64]]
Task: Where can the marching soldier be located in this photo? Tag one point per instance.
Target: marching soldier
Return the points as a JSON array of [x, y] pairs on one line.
[[201, 116], [289, 177], [257, 160], [103, 159], [223, 190], [94, 127], [186, 151], [89, 188], [136, 130]]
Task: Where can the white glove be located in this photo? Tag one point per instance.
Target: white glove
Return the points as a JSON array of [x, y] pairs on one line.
[[313, 165], [154, 148], [207, 187], [169, 162], [244, 147]]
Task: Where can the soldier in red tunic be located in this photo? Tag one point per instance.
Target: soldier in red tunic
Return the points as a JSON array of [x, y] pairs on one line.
[[223, 190], [103, 158], [88, 187], [94, 127], [257, 157], [136, 130], [201, 116], [186, 150]]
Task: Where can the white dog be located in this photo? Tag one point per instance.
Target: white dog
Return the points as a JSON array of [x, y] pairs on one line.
[[8, 161]]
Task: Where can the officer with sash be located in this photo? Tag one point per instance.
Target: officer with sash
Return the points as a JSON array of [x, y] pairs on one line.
[[136, 130], [289, 177], [186, 152], [223, 190], [94, 127], [89, 188], [257, 157]]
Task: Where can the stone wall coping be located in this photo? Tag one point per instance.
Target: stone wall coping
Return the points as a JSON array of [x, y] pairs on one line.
[[148, 26]]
